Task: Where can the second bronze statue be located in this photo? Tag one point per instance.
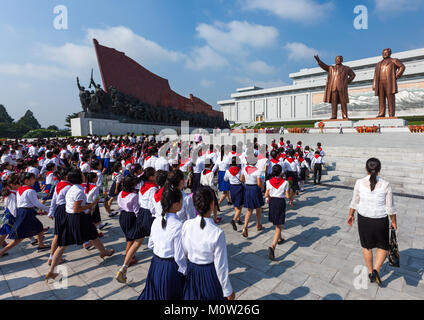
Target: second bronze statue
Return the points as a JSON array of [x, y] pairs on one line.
[[339, 77]]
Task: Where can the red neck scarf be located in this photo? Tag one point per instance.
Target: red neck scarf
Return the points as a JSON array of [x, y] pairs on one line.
[[276, 182], [261, 156], [275, 161], [300, 160], [90, 187], [290, 160], [146, 187], [317, 156], [22, 189], [250, 169], [234, 171], [206, 171], [158, 194], [125, 194], [61, 185]]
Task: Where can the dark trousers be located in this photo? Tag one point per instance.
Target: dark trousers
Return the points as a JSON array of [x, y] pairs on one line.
[[317, 172]]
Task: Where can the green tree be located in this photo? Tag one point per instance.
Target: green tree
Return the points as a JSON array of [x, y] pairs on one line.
[[28, 121], [53, 127], [68, 119], [4, 116]]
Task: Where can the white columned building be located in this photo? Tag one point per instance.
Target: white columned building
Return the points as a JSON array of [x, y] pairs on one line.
[[303, 99]]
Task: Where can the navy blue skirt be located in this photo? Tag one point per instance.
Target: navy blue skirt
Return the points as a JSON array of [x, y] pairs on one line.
[[60, 216], [128, 223], [112, 193], [277, 211], [202, 283], [196, 182], [26, 224], [302, 175], [7, 222], [163, 282], [253, 198], [144, 222], [79, 228], [237, 195], [222, 184]]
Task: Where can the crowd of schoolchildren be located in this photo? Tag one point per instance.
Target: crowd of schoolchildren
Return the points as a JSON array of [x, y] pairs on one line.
[[147, 180]]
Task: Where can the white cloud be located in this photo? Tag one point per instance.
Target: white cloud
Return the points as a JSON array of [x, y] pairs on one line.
[[135, 46], [245, 81], [232, 37], [259, 66], [207, 83], [299, 10], [299, 51], [384, 6], [205, 57], [30, 70], [70, 55]]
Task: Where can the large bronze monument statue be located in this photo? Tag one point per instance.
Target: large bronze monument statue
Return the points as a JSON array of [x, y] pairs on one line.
[[385, 86], [339, 77]]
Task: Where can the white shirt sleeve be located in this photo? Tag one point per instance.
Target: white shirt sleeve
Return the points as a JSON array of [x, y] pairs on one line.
[[179, 256], [33, 199], [221, 265], [10, 204], [390, 205], [53, 205], [355, 199]]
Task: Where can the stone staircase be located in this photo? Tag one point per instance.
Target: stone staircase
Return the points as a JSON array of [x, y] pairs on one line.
[[403, 168]]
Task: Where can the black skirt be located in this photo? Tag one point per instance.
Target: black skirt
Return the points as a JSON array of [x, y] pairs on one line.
[[294, 185], [112, 193], [277, 211], [302, 175], [374, 233], [79, 229], [60, 216], [96, 215], [196, 182]]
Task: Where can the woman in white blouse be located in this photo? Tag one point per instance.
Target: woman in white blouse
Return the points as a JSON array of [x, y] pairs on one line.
[[373, 200], [206, 250]]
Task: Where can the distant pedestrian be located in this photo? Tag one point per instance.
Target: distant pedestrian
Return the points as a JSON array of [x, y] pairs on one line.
[[340, 129]]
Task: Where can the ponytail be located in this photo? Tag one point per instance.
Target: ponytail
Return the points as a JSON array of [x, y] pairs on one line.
[[202, 200], [170, 195], [373, 167]]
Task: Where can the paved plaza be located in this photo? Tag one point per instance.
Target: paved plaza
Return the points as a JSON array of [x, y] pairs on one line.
[[316, 261]]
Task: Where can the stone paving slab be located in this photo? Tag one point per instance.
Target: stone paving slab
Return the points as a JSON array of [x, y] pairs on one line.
[[316, 260]]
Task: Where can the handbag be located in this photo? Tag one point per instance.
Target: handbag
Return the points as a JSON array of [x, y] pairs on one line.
[[394, 255]]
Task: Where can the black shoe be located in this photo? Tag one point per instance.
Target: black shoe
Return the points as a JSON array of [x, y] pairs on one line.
[[377, 277], [239, 222], [271, 254], [230, 203], [372, 277], [112, 214], [233, 223], [280, 241], [103, 226], [34, 242]]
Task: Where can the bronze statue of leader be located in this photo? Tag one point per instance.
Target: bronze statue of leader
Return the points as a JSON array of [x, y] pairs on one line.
[[339, 77], [385, 86]]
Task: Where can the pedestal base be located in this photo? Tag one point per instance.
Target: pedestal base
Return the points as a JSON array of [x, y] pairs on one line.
[[336, 123], [383, 122]]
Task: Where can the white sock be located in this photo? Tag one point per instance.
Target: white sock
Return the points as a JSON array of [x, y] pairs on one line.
[[50, 257]]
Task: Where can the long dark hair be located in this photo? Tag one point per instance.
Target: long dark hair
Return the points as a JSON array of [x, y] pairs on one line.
[[373, 167], [171, 194], [12, 179], [202, 200]]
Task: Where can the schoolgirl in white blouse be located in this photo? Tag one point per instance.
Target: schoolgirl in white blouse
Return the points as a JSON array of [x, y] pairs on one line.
[[204, 245], [165, 279]]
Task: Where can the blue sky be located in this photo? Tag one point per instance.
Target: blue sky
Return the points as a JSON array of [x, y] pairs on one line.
[[205, 47]]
